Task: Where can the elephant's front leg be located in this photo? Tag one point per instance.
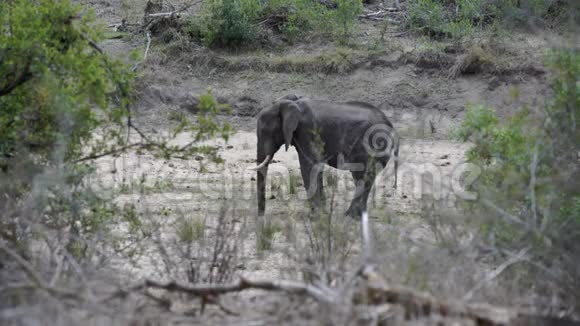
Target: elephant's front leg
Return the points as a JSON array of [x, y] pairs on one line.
[[364, 183], [312, 176]]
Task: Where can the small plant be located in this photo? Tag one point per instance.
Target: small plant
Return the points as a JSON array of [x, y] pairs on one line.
[[162, 185], [178, 116], [293, 183], [190, 229], [331, 180], [265, 233], [345, 17], [427, 15]]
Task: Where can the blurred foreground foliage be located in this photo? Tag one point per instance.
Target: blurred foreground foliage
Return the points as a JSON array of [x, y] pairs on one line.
[[65, 103], [529, 185]]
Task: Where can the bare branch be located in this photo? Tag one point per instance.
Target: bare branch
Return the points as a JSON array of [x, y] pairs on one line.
[[380, 14], [319, 294], [34, 277], [109, 152], [505, 214], [366, 236], [148, 45], [533, 168], [520, 256]]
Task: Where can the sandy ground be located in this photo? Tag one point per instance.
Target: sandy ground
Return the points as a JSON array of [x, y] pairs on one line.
[[195, 189]]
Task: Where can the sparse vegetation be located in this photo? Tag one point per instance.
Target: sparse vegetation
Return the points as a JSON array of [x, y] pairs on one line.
[[190, 229], [294, 181], [460, 19], [529, 173], [265, 232], [237, 23]]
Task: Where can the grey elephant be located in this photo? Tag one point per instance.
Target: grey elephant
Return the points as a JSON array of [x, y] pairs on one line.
[[353, 136]]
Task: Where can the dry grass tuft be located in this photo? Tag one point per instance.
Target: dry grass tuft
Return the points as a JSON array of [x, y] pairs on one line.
[[476, 60]]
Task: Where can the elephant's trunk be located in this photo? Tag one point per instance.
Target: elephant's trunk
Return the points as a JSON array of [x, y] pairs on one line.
[[262, 173]]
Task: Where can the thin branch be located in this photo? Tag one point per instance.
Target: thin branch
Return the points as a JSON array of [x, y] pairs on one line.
[[505, 214], [366, 236], [520, 256], [533, 168], [380, 14], [163, 14], [35, 278], [148, 45], [24, 76], [110, 152], [142, 134], [58, 271]]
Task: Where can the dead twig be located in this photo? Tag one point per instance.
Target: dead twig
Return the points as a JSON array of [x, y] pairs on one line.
[[533, 169], [366, 237], [380, 14], [520, 256], [35, 277], [148, 45], [110, 152]]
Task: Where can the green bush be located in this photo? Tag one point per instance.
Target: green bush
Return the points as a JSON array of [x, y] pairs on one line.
[[228, 23], [63, 104], [529, 171], [303, 16], [237, 23], [427, 14], [344, 18], [461, 18]]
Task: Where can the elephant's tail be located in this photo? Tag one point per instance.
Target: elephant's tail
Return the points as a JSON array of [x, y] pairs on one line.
[[396, 157]]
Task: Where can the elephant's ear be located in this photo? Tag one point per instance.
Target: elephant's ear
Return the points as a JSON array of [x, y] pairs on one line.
[[290, 113]]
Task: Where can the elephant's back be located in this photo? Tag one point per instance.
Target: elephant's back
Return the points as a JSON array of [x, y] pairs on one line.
[[348, 111]]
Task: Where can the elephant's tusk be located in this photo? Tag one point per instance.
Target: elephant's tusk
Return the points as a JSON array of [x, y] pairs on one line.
[[266, 161]]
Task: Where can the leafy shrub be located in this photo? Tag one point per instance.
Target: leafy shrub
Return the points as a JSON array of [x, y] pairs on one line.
[[461, 18], [237, 23], [530, 173], [427, 14], [345, 16], [227, 23], [58, 93]]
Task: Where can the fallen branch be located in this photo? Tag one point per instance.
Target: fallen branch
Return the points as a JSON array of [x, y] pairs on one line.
[[161, 14], [319, 294], [419, 304], [375, 293], [379, 14], [172, 13]]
